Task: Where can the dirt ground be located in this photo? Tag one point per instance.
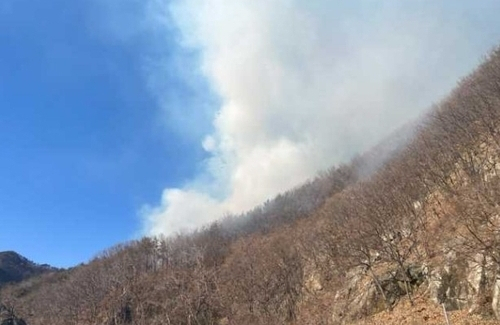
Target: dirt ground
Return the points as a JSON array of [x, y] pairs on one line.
[[424, 312]]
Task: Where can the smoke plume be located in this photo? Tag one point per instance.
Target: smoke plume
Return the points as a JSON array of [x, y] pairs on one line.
[[304, 85]]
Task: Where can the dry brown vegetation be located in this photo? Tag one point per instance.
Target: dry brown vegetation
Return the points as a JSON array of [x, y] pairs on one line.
[[286, 261], [422, 312]]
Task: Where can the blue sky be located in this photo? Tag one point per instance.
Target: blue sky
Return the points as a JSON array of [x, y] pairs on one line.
[[84, 142], [123, 118]]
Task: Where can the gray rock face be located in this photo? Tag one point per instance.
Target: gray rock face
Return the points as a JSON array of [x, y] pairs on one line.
[[446, 287], [363, 295], [495, 301], [462, 284], [465, 283]]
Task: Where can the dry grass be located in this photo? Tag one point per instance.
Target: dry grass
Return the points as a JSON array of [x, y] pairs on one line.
[[423, 312]]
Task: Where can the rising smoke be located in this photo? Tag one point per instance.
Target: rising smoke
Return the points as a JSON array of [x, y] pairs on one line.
[[304, 85]]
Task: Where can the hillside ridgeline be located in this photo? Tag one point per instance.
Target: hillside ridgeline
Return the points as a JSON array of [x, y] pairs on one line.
[[16, 268], [353, 245]]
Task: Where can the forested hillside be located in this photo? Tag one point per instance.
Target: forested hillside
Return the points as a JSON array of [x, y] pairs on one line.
[[15, 268], [414, 222]]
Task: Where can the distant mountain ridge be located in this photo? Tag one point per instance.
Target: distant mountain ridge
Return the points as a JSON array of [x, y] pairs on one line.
[[16, 268]]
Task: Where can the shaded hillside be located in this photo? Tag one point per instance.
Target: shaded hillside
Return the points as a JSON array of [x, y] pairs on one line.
[[7, 317], [16, 268], [354, 245]]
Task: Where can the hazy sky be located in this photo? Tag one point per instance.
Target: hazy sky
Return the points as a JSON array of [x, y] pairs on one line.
[[120, 118]]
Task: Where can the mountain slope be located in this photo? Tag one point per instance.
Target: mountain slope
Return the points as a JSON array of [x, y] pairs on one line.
[[357, 244], [16, 268]]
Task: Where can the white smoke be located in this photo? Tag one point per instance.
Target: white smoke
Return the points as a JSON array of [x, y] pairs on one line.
[[304, 85]]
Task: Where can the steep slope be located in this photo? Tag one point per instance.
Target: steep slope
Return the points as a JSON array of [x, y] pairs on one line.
[[391, 239]]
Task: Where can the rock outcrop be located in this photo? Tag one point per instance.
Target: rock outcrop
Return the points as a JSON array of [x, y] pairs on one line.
[[466, 285], [366, 294], [459, 283]]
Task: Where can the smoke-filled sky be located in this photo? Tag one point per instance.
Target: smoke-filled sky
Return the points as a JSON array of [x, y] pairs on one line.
[[122, 118]]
